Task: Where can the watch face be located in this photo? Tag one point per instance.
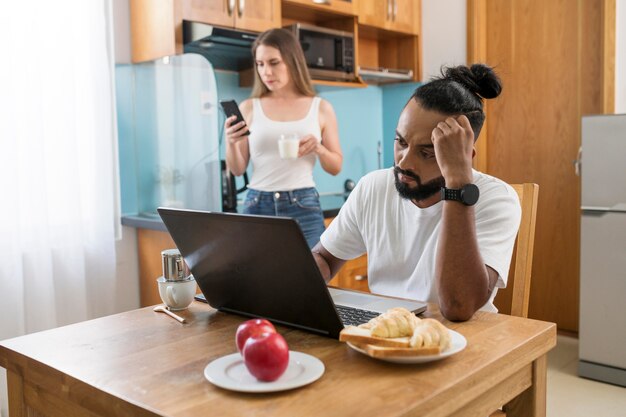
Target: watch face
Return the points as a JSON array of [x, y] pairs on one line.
[[469, 194]]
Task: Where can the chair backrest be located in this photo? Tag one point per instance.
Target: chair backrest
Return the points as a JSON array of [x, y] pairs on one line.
[[518, 287]]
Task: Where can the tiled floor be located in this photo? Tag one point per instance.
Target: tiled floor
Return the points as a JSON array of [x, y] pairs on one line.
[[572, 396]]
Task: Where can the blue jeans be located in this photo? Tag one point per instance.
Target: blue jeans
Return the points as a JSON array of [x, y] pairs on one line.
[[302, 204]]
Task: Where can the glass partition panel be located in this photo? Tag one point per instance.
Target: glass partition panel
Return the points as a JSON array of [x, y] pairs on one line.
[[168, 128]]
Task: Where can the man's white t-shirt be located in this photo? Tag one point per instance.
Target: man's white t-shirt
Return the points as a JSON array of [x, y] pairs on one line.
[[400, 238]]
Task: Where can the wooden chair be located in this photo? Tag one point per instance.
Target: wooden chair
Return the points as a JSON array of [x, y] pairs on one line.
[[518, 286], [514, 299]]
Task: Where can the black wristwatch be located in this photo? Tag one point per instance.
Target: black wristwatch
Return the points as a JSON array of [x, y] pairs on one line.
[[467, 195]]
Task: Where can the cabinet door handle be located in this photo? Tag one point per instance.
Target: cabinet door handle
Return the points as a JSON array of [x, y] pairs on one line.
[[327, 2], [241, 7], [389, 9], [360, 277], [230, 5], [395, 9]]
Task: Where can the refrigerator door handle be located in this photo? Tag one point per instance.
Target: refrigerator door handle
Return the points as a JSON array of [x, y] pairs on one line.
[[578, 161], [618, 208]]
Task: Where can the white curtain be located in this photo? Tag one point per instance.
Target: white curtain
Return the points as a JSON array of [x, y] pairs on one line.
[[58, 158]]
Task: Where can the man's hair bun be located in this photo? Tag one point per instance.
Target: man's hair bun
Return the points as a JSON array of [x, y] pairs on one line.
[[480, 79]]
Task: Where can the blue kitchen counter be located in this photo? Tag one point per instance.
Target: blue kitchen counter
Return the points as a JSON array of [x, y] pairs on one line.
[[330, 207]]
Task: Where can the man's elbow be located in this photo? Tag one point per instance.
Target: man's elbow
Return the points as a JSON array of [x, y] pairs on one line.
[[457, 310]]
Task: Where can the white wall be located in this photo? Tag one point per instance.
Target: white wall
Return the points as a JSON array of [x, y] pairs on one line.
[[444, 35], [121, 31], [127, 270], [620, 58]]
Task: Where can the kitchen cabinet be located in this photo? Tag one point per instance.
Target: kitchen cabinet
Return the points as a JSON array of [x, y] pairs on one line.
[[155, 28], [389, 41], [387, 36], [346, 7], [395, 15], [256, 16], [388, 56]]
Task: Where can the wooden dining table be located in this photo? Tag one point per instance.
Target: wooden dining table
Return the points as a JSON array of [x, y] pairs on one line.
[[144, 363]]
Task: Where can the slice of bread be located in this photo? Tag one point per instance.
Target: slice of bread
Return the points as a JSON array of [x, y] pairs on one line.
[[364, 337], [385, 352]]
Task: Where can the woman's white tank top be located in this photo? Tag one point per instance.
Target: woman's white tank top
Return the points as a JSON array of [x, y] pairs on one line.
[[269, 171]]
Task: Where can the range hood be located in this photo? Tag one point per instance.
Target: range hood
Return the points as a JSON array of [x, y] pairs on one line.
[[226, 49]]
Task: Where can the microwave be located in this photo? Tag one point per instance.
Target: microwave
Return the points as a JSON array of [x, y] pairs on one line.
[[329, 53]]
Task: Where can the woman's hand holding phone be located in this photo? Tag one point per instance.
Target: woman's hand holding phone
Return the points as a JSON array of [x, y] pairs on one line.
[[234, 126], [235, 131]]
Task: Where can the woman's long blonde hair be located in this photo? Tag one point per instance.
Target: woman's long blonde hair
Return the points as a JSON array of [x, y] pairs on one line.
[[291, 53]]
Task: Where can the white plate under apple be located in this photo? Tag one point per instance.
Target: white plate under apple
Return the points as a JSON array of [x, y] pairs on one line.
[[230, 372]]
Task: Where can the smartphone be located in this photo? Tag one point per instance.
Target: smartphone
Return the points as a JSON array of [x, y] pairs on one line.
[[231, 108]]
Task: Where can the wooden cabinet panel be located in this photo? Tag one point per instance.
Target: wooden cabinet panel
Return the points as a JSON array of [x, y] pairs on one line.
[[257, 15], [155, 30], [345, 7], [150, 243], [394, 15], [405, 16], [213, 12], [375, 13]]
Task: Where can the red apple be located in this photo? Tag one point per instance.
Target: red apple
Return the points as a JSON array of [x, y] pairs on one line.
[[251, 328], [266, 356]]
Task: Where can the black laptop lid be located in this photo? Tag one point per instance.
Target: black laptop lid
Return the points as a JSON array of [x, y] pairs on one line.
[[257, 266]]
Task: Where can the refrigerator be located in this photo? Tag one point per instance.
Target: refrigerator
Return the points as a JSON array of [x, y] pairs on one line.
[[602, 331]]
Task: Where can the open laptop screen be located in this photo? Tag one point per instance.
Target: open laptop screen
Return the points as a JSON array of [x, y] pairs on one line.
[[257, 266]]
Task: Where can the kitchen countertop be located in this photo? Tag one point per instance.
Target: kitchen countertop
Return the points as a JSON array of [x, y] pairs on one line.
[[330, 207]]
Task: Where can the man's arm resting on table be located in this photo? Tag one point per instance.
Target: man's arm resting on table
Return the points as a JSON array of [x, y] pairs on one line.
[[464, 282], [327, 263]]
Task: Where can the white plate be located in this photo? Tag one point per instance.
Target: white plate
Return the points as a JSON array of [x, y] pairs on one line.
[[457, 344], [230, 372]]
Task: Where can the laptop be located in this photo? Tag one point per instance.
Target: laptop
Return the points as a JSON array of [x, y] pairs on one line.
[[261, 266]]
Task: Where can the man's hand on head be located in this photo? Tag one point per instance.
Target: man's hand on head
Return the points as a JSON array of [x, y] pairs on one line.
[[453, 140]]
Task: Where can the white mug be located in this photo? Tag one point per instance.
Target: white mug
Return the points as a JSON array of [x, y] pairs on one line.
[[288, 146], [177, 295]]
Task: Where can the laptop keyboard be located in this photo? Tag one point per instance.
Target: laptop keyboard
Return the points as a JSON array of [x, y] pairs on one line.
[[353, 316]]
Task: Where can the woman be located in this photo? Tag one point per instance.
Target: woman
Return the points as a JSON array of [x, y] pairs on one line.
[[283, 102]]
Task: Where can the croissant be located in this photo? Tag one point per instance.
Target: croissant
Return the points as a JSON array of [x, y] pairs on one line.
[[396, 322], [430, 333]]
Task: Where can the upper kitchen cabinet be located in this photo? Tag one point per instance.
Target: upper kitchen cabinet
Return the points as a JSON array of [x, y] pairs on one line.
[[256, 15], [395, 15], [389, 41], [343, 7], [406, 16], [155, 28]]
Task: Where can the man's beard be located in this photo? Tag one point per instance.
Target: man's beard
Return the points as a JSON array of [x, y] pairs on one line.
[[420, 191]]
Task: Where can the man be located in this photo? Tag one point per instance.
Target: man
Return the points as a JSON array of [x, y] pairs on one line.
[[434, 229]]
